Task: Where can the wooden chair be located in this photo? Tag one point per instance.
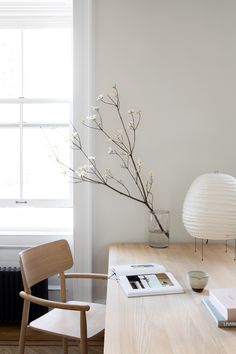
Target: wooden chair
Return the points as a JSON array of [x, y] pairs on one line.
[[72, 319]]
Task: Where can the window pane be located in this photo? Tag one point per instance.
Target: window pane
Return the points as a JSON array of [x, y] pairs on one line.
[[47, 113], [47, 63], [43, 177], [9, 162], [10, 63], [36, 219], [9, 113]]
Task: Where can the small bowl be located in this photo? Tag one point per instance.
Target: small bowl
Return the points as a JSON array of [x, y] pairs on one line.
[[198, 279]]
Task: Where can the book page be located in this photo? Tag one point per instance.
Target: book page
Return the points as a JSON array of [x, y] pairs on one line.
[[149, 281], [135, 269], [149, 284]]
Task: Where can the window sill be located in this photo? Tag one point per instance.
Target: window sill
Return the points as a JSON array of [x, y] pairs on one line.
[[36, 233], [20, 240]]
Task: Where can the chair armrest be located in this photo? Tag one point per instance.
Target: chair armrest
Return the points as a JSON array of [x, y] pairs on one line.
[[53, 304], [86, 276]]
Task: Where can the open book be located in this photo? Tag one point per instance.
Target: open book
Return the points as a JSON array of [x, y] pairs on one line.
[[146, 279]]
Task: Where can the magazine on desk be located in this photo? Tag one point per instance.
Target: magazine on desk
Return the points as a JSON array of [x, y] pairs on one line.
[[146, 279]]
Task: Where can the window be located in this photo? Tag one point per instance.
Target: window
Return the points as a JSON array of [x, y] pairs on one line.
[[35, 108]]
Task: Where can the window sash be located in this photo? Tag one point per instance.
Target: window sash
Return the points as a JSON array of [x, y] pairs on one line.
[[28, 15], [21, 202], [23, 101], [36, 203]]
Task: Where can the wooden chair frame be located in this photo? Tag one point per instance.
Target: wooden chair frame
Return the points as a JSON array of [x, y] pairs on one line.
[[30, 278]]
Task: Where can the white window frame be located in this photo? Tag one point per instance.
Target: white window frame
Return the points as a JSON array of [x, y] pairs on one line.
[[16, 202], [84, 98], [19, 202]]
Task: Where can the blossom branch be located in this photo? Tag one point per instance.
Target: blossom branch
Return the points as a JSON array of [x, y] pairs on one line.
[[99, 126], [129, 143], [130, 149], [124, 144], [126, 166]]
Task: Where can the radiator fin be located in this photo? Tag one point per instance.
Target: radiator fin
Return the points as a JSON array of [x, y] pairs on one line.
[[11, 304]]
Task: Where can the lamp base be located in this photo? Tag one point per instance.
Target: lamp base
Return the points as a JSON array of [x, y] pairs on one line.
[[207, 241]]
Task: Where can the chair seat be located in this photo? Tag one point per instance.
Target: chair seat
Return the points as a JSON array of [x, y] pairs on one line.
[[67, 322]]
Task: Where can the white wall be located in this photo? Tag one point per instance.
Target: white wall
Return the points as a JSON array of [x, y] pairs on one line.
[[176, 61]]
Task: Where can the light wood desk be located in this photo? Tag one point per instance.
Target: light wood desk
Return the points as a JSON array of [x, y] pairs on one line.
[[166, 324]]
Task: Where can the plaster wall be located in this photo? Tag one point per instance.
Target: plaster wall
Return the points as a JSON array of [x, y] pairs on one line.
[[174, 60]]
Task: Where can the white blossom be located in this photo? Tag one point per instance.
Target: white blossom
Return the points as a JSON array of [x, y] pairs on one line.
[[108, 172], [131, 125], [139, 163], [93, 117], [80, 172], [100, 97], [86, 167], [119, 135], [110, 150], [75, 134], [91, 158], [131, 111]]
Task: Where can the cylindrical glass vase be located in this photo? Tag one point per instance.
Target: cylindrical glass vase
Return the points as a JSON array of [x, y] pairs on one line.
[[159, 232]]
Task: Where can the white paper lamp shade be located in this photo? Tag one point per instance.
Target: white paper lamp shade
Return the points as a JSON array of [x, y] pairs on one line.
[[209, 210]]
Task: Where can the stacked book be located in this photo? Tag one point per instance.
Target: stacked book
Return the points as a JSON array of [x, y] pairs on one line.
[[221, 304]]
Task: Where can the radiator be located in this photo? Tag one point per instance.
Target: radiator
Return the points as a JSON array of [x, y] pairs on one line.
[[11, 303]]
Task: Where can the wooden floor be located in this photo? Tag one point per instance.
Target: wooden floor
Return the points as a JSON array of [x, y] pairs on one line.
[[39, 343], [46, 350]]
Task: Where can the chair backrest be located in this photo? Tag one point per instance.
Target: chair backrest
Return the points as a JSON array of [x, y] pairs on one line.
[[43, 261]]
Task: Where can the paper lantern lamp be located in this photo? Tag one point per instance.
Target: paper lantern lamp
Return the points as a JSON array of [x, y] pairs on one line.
[[209, 210]]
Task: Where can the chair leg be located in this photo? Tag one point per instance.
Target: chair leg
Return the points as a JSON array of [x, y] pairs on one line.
[[83, 347], [65, 346], [83, 333], [24, 323]]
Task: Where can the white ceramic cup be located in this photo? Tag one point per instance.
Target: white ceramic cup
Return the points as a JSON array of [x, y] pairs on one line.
[[198, 279]]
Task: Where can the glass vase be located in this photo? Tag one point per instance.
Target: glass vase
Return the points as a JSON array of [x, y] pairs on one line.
[[159, 235]]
